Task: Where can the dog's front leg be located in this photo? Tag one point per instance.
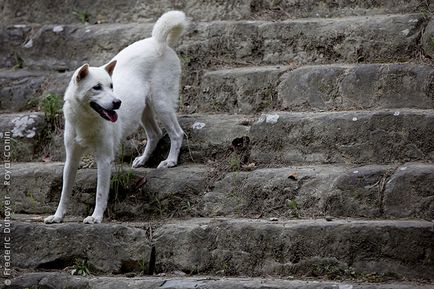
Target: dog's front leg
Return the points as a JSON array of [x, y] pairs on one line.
[[73, 156], [102, 190]]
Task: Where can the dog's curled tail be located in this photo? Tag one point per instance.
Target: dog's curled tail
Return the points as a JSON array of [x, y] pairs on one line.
[[169, 28]]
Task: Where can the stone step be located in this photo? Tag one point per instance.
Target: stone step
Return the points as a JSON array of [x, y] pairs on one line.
[[383, 38], [278, 138], [264, 88], [27, 136], [210, 137], [374, 191], [318, 87], [23, 89], [343, 137], [55, 280], [119, 11], [233, 247]]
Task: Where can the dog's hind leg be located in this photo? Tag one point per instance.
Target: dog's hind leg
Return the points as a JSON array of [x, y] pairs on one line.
[[73, 156], [170, 121], [153, 136]]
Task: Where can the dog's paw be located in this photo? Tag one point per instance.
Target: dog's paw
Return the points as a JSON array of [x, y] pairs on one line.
[[92, 220], [53, 219], [139, 162], [166, 164]]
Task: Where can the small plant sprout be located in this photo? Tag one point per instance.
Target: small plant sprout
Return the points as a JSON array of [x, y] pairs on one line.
[[51, 105], [82, 16], [19, 62], [293, 206], [81, 268], [234, 163]]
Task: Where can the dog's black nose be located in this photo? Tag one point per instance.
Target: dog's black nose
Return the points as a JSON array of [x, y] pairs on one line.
[[116, 103]]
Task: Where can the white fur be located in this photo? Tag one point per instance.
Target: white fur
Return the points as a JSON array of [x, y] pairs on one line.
[[146, 79]]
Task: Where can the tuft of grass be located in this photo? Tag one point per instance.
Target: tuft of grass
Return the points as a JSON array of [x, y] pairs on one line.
[[32, 103], [31, 198], [51, 106], [82, 16], [81, 268], [234, 163], [185, 60], [143, 265], [122, 179], [293, 206], [19, 62], [186, 207]]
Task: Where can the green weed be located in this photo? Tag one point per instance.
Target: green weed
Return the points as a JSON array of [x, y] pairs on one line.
[[293, 206], [122, 179], [19, 62], [234, 163], [81, 268], [82, 16], [51, 106]]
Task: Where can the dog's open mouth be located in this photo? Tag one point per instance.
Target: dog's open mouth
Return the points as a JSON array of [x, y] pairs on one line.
[[109, 115]]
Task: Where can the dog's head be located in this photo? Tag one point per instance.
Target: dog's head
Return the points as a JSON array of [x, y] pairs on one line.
[[94, 87]]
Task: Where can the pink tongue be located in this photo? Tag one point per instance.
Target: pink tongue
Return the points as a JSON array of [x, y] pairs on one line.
[[112, 115]]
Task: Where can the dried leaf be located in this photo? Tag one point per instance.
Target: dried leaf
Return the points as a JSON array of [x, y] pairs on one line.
[[293, 176], [46, 159], [140, 183]]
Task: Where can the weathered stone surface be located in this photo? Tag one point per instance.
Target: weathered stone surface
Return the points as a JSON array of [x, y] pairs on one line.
[[208, 137], [54, 280], [343, 137], [108, 248], [285, 9], [330, 248], [242, 90], [22, 131], [167, 193], [300, 192], [135, 194], [428, 39], [346, 87], [42, 47], [341, 40], [253, 247], [284, 138], [319, 191], [293, 192], [409, 192], [22, 89], [21, 125], [254, 89], [207, 45], [354, 39], [19, 89], [119, 11], [336, 249], [206, 10], [32, 185]]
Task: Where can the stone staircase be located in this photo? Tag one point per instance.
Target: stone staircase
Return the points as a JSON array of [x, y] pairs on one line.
[[308, 161]]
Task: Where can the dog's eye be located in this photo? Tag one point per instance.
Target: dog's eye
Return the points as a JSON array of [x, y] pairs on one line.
[[97, 87], [111, 85]]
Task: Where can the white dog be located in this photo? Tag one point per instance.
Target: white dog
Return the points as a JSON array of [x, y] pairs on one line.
[[105, 104]]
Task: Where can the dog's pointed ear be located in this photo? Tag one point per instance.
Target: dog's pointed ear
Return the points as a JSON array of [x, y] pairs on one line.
[[110, 67], [82, 72]]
